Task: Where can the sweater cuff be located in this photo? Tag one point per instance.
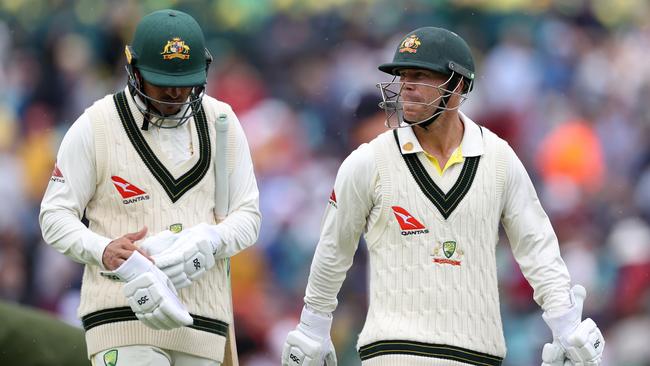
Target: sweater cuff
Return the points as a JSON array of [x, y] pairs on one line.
[[96, 245]]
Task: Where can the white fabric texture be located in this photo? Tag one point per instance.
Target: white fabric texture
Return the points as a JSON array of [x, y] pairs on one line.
[[151, 295], [93, 153], [553, 355], [63, 203], [403, 288], [310, 343], [189, 257], [581, 341]]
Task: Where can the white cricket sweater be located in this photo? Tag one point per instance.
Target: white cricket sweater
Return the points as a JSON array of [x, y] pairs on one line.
[[126, 180], [433, 281]]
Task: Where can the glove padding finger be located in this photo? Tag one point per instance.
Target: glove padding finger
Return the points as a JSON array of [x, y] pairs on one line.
[[158, 243], [292, 356], [140, 298], [301, 350], [167, 315], [181, 281], [152, 321], [143, 302], [330, 357], [152, 296], [188, 260], [586, 344], [310, 344], [204, 260], [553, 355]]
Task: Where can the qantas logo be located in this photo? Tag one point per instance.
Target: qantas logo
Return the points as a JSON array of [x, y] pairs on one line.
[[128, 191], [409, 224], [57, 176], [332, 200]]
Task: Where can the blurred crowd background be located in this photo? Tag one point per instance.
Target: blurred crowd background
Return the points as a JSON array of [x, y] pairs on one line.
[[566, 82]]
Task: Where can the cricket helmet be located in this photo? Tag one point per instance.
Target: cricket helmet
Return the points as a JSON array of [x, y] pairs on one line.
[[168, 50], [430, 48]]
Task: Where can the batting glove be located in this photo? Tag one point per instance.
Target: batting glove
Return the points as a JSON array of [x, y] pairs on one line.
[[150, 294], [310, 344], [158, 243], [189, 257], [553, 355], [582, 342]]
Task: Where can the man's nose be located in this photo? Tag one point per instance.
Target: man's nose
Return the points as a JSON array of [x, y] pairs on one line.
[[173, 92], [407, 84]]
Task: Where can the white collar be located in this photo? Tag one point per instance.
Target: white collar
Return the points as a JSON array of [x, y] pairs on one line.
[[472, 141]]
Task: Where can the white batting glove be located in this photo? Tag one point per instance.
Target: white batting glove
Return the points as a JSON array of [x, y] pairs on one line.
[[189, 256], [310, 344], [553, 355], [158, 243], [587, 344], [150, 294], [583, 342]]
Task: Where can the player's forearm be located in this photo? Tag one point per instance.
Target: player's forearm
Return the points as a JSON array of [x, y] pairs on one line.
[[324, 285], [328, 270], [538, 255], [65, 233], [345, 218], [238, 231], [67, 196], [533, 240]]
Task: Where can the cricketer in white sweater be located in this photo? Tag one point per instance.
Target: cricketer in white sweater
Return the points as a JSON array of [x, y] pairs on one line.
[[432, 231], [124, 178], [432, 238]]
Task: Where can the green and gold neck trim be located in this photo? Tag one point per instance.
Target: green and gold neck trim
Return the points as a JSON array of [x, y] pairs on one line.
[[445, 203], [175, 187]]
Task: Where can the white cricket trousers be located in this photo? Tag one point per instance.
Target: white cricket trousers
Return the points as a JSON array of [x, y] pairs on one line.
[[143, 355]]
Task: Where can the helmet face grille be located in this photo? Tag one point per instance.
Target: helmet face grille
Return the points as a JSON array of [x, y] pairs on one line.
[[393, 101], [168, 50], [188, 109]]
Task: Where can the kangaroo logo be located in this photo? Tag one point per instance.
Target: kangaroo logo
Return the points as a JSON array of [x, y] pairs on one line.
[[409, 224]]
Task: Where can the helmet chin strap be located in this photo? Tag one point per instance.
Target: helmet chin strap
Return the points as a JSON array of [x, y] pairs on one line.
[[133, 86], [146, 107], [145, 121], [159, 116]]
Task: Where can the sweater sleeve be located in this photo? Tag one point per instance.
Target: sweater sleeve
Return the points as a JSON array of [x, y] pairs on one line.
[[532, 239], [241, 227], [70, 189], [343, 223]]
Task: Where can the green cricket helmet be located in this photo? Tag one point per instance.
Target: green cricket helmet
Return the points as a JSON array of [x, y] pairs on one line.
[[168, 50], [430, 48]]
